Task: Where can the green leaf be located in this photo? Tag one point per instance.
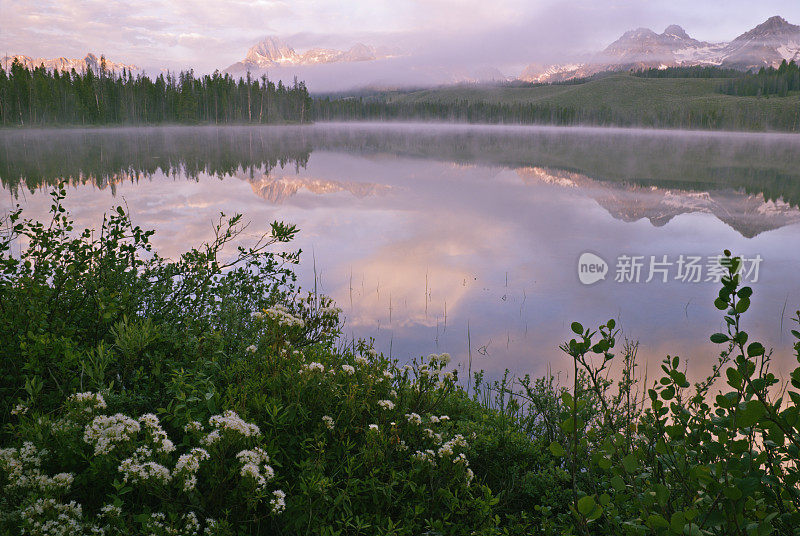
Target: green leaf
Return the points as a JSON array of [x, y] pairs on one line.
[[657, 521], [586, 505], [618, 484], [557, 450], [734, 378], [748, 415], [630, 463], [719, 338], [745, 292], [720, 304], [577, 328], [743, 305], [755, 349], [604, 463], [733, 493]]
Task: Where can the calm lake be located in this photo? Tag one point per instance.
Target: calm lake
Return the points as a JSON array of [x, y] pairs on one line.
[[466, 239]]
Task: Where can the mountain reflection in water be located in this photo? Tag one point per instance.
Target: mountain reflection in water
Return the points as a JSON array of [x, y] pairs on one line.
[[418, 231]]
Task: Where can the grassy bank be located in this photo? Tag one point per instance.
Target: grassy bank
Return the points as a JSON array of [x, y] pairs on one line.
[[619, 100], [210, 395]]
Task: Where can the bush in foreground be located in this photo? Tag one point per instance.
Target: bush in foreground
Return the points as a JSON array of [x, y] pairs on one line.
[[207, 395]]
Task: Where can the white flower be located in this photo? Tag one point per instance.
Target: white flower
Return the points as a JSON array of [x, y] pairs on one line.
[[193, 426], [188, 465], [229, 420], [361, 360], [138, 469], [254, 465], [157, 434], [313, 366], [252, 349], [373, 427], [444, 359], [20, 409], [328, 422], [278, 502], [89, 400], [281, 314], [434, 419], [414, 418], [386, 404], [470, 475], [104, 432], [348, 369], [257, 315], [427, 456]]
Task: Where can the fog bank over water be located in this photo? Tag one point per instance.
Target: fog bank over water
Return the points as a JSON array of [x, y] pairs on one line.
[[418, 231]]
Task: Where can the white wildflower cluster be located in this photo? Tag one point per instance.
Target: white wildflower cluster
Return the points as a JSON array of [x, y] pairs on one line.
[[189, 525], [230, 421], [439, 361], [278, 501], [373, 427], [156, 433], [328, 420], [414, 418], [23, 469], [255, 465], [387, 375], [110, 511], [330, 310], [312, 367], [252, 349], [193, 426], [139, 468], [48, 517], [106, 431], [257, 315], [449, 447], [187, 467], [386, 404], [362, 361], [89, 401], [372, 352], [283, 316], [349, 369], [437, 438], [20, 409], [427, 456]]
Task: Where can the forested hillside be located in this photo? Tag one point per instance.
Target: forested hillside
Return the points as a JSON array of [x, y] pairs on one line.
[[40, 97], [612, 100]]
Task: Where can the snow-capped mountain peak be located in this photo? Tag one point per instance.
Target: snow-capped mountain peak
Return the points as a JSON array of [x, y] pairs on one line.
[[768, 44]]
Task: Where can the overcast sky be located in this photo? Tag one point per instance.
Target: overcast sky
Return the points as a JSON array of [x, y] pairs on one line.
[[503, 33]]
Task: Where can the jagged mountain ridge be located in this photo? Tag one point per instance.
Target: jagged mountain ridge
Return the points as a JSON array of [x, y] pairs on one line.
[[273, 52], [90, 62], [768, 44]]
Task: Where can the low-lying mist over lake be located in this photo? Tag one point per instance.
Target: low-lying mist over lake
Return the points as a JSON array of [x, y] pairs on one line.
[[423, 233]]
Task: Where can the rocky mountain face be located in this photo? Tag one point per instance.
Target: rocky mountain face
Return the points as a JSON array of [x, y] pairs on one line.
[[90, 62], [272, 52], [768, 44]]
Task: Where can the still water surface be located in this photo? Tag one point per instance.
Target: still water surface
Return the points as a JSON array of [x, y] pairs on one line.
[[423, 234]]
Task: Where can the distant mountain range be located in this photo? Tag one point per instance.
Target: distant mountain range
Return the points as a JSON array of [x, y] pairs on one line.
[[768, 44], [361, 65], [273, 52], [90, 62]]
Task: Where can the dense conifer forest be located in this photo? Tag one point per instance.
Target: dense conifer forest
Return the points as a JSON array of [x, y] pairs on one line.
[[769, 81], [40, 97]]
